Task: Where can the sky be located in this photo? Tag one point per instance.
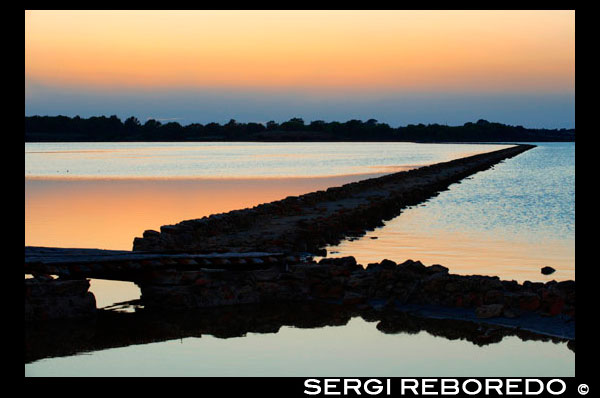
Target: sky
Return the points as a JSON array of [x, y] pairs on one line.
[[399, 67]]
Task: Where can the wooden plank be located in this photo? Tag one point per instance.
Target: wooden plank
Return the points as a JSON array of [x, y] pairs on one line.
[[59, 255]]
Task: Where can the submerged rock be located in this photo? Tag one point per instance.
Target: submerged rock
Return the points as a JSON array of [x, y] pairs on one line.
[[489, 311], [547, 270]]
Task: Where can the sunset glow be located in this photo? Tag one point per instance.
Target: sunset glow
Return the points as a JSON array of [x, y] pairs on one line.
[[399, 67], [291, 193], [308, 50]]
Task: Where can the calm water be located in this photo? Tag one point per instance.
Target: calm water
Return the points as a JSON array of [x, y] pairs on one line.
[[104, 194], [508, 221], [232, 160], [354, 349]]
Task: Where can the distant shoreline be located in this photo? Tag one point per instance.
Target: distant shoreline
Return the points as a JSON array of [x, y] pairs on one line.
[[511, 142], [111, 129]]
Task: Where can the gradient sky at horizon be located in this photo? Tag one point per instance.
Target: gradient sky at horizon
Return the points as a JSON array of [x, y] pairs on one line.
[[400, 67]]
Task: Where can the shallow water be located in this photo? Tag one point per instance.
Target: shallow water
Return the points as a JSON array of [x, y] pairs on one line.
[[109, 213], [233, 160], [508, 221], [354, 349]]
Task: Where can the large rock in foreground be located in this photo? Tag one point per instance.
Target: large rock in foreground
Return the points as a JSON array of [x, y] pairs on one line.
[[343, 281]]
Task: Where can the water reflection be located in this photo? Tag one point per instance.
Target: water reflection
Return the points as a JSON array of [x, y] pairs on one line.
[[233, 159], [466, 229], [108, 214], [108, 292], [509, 222], [127, 324]]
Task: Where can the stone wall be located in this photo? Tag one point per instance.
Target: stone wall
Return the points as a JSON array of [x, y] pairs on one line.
[[343, 281], [309, 222]]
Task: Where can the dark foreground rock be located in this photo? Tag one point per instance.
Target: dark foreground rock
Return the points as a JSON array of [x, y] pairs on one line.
[[206, 282], [48, 299], [343, 281]]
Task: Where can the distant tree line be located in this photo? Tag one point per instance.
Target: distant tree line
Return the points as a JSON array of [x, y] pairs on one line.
[[102, 128]]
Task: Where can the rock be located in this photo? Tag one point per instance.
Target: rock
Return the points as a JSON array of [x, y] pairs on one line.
[[510, 313], [511, 285], [372, 266], [150, 233], [472, 299], [533, 285], [268, 274], [547, 270], [388, 264], [566, 285], [457, 285], [383, 265], [529, 301], [327, 291], [353, 298], [486, 283], [349, 261], [320, 252], [458, 300], [489, 311], [415, 266], [552, 303], [437, 268], [569, 310], [201, 282], [494, 296]]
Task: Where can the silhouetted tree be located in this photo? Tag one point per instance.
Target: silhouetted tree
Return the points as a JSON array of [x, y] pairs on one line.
[[132, 124], [102, 128], [272, 125], [294, 124], [317, 125], [151, 124]]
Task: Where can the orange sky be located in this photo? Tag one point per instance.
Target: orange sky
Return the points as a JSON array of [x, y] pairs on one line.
[[472, 51]]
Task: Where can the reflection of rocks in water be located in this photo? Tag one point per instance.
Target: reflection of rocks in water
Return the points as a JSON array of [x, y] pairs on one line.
[[113, 328], [476, 333], [58, 338]]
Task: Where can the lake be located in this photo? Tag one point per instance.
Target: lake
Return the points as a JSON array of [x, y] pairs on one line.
[[507, 221]]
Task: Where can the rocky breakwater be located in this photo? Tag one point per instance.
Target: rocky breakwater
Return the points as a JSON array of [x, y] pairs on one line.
[[309, 222], [342, 281], [47, 298]]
